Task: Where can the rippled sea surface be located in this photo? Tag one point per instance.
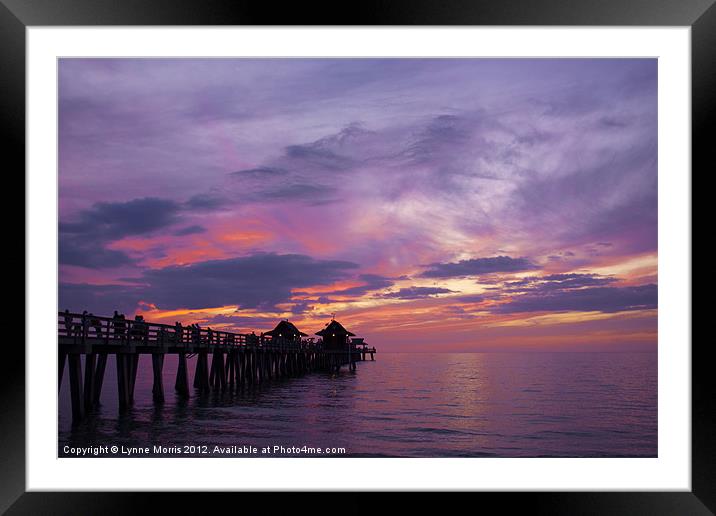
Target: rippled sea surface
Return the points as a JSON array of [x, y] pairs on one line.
[[404, 405]]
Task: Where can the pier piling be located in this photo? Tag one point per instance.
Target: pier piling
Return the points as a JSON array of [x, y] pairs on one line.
[[158, 386], [99, 378], [133, 367], [74, 364], [237, 360], [89, 385], [61, 359], [123, 380], [181, 386]]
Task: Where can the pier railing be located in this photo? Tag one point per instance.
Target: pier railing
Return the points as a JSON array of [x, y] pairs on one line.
[[79, 329], [237, 359]]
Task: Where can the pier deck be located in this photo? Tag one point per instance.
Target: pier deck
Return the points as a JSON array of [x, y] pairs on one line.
[[237, 359]]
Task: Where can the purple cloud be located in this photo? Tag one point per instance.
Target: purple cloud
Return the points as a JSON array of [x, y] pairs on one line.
[[83, 241], [416, 293], [398, 162], [370, 282], [115, 220], [557, 282], [205, 202], [189, 230], [600, 299], [477, 267], [261, 280]]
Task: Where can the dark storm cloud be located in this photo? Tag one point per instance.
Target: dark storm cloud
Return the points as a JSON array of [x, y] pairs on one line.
[[566, 281], [473, 298], [371, 282], [600, 299], [557, 282], [189, 230], [115, 220], [301, 191], [262, 280], [477, 266], [82, 252], [205, 202], [260, 173], [83, 241], [416, 293], [258, 281]]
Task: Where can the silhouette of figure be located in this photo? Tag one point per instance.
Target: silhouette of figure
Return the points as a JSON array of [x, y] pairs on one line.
[[96, 324], [85, 324], [209, 336], [124, 326], [68, 323], [142, 329], [178, 332], [132, 329], [196, 333], [118, 324], [137, 328]]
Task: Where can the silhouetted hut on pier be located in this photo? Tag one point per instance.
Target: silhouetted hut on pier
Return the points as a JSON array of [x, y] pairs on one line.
[[237, 360], [287, 331], [335, 336]]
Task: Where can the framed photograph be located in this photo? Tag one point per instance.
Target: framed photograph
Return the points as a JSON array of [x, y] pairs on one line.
[[422, 249]]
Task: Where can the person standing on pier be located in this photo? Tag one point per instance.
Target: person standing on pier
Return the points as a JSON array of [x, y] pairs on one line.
[[178, 332], [139, 328], [68, 323], [196, 334], [85, 324], [96, 324], [118, 325]]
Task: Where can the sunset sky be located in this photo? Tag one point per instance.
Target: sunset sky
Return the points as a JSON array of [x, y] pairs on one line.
[[431, 204]]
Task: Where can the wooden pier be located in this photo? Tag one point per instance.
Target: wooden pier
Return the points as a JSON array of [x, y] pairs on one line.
[[224, 360]]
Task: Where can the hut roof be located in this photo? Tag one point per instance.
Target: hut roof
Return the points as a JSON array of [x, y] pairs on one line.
[[334, 327], [285, 329]]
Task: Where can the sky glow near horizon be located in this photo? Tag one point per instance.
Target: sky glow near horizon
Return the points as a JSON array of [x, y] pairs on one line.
[[432, 204]]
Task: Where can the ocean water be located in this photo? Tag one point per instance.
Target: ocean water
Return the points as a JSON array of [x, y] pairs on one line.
[[401, 405]]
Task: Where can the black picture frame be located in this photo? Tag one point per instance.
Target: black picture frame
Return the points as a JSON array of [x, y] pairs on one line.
[[17, 15]]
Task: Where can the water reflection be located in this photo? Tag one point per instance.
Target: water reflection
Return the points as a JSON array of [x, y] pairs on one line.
[[481, 404]]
